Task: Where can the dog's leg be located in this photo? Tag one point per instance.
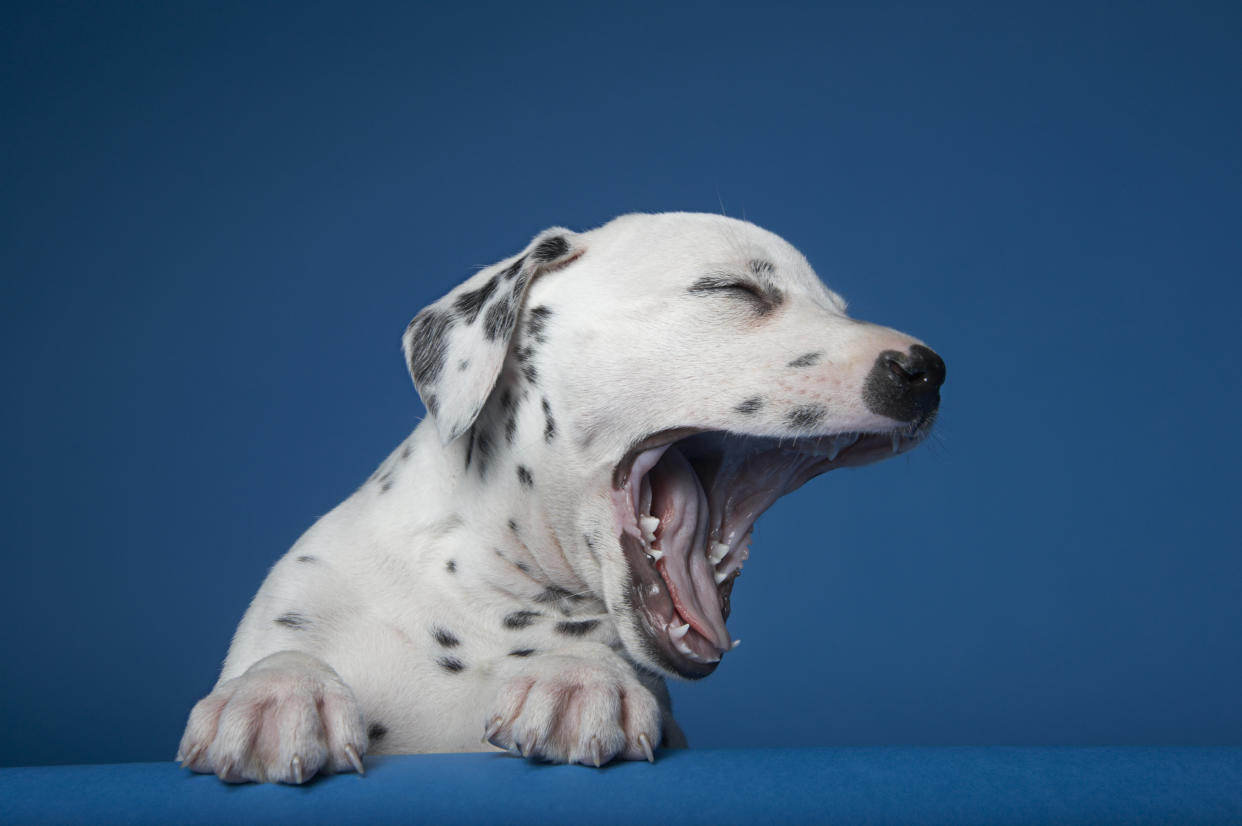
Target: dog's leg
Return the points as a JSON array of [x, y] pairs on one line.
[[288, 717], [579, 704]]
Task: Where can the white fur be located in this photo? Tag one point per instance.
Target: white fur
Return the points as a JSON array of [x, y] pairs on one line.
[[628, 352]]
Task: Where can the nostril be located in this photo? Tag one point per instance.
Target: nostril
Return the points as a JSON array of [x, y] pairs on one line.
[[904, 371]]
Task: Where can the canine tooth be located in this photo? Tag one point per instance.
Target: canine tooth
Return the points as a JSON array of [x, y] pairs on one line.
[[720, 576], [656, 554], [719, 551], [649, 524], [677, 632]]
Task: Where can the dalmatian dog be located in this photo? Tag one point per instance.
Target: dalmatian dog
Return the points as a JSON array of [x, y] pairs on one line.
[[609, 413]]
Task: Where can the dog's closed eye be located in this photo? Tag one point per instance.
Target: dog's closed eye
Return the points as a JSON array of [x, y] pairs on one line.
[[763, 301]]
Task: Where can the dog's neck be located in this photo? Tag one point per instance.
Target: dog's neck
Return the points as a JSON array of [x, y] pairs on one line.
[[497, 483]]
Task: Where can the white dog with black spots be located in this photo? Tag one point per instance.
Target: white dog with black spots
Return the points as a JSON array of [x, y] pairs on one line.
[[610, 412]]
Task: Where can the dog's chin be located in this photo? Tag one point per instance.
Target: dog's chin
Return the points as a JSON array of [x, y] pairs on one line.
[[685, 502]]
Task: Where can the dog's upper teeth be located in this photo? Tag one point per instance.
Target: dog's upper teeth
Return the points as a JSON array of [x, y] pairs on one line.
[[649, 524], [718, 552], [721, 576]]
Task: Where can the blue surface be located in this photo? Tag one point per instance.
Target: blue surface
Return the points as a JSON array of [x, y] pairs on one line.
[[217, 219], [961, 786]]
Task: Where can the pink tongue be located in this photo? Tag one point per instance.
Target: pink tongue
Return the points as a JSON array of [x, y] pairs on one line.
[[679, 500]]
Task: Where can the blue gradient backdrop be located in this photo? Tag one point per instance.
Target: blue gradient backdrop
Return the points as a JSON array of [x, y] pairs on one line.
[[219, 217]]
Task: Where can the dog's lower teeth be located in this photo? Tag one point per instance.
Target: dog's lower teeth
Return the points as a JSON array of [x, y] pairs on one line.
[[718, 552], [656, 554], [649, 524], [675, 633]]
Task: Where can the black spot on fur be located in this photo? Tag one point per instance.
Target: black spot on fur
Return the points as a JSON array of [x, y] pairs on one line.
[[523, 567], [510, 428], [536, 323], [530, 373], [507, 402], [406, 450], [294, 620], [576, 629], [524, 476], [554, 593], [521, 652], [451, 664], [445, 637], [758, 267], [520, 619], [376, 731], [513, 269], [551, 249], [308, 558], [806, 416], [499, 319], [468, 305], [385, 481], [751, 405], [513, 525], [428, 345], [481, 449], [549, 423], [807, 359], [463, 365], [433, 404], [450, 566]]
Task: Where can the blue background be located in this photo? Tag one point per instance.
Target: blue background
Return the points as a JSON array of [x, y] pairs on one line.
[[217, 220]]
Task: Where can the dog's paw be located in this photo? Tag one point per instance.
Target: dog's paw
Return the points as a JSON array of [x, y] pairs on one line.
[[286, 719], [571, 709]]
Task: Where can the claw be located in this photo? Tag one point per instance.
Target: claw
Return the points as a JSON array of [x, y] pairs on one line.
[[295, 766], [493, 728], [646, 744], [354, 759], [192, 756], [597, 752]]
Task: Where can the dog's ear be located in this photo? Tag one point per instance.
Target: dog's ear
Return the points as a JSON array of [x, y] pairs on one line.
[[456, 347]]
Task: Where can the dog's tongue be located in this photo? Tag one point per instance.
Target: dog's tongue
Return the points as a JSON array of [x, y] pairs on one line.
[[678, 499]]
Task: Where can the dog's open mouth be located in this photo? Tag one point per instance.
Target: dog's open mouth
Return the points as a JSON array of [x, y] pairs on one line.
[[686, 502]]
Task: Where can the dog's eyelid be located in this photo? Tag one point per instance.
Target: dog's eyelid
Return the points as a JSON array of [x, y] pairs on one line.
[[725, 283]]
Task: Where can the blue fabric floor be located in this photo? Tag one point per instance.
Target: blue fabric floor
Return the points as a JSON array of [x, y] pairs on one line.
[[825, 785]]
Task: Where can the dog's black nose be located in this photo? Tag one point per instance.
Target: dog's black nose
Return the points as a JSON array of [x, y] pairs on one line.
[[905, 386]]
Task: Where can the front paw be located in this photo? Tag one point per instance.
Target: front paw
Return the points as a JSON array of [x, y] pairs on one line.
[[286, 719], [573, 709]]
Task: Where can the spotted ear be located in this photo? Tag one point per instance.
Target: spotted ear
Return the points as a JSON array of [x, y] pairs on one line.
[[456, 347]]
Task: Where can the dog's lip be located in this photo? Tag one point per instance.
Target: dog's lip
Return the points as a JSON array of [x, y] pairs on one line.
[[910, 435]]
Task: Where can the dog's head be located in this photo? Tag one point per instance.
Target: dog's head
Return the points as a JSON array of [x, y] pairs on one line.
[[670, 376]]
